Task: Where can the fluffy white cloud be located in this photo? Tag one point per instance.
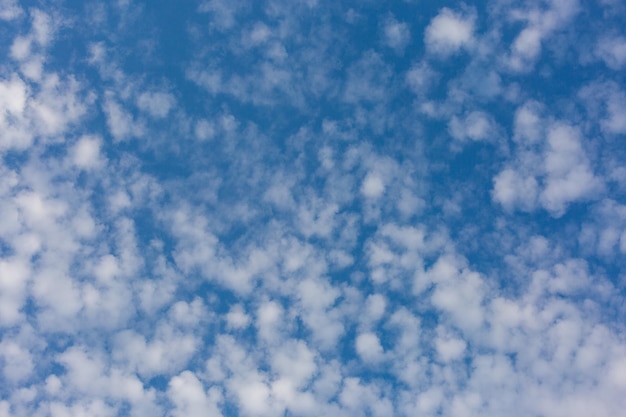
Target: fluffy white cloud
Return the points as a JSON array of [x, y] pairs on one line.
[[14, 276], [512, 190], [13, 95], [475, 126], [569, 176], [295, 362], [369, 348], [551, 173], [449, 31], [286, 233], [17, 361], [166, 353], [156, 104], [396, 34], [85, 154], [458, 292], [368, 79], [9, 9], [191, 399], [606, 101], [421, 78], [528, 125], [448, 347], [373, 186], [237, 317], [613, 52], [541, 25], [120, 122]]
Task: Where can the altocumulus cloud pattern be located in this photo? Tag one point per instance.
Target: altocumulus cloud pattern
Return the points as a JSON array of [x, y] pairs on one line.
[[312, 208]]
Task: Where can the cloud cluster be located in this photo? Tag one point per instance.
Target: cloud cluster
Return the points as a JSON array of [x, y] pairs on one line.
[[305, 208]]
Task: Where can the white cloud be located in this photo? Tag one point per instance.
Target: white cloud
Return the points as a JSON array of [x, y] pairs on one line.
[[512, 190], [396, 34], [616, 106], [43, 27], [9, 9], [211, 80], [528, 125], [449, 31], [191, 399], [476, 125], [526, 46], [551, 169], [449, 348], [224, 12], [316, 298], [458, 292], [568, 173], [607, 102], [368, 79], [318, 218], [13, 97], [204, 130], [45, 113], [41, 31], [157, 104], [254, 398], [168, 352], [20, 49], [375, 306], [605, 234], [85, 371], [96, 408], [613, 52], [237, 318], [258, 35], [14, 276], [364, 399], [29, 50], [85, 154], [119, 121], [269, 318], [295, 362], [541, 25], [301, 264], [421, 78], [279, 193], [368, 347], [373, 186], [17, 361], [186, 315]]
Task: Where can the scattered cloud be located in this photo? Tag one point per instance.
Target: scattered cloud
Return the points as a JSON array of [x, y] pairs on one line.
[[449, 31], [297, 208], [396, 34]]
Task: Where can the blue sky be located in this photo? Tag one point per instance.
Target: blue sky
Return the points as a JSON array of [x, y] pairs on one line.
[[305, 208]]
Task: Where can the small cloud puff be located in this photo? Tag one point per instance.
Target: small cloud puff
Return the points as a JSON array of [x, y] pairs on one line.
[[396, 35], [373, 186], [513, 189], [569, 174], [190, 399], [156, 104], [9, 10], [237, 318], [369, 348], [449, 32], [476, 126], [613, 52], [85, 154]]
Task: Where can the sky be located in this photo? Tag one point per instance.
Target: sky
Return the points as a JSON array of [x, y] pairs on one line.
[[312, 208]]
